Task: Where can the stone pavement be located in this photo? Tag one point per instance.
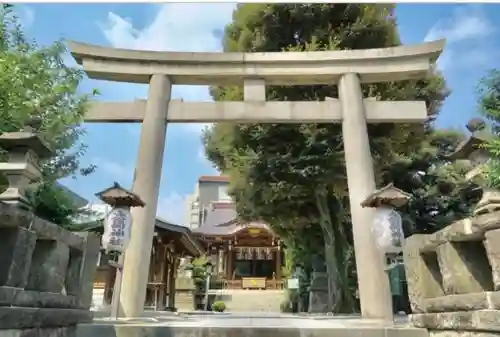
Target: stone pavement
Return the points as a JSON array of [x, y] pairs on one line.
[[246, 324]]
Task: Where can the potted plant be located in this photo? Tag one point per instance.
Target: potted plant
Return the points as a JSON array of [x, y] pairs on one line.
[[218, 306]]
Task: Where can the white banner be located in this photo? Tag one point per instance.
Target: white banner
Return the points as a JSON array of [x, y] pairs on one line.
[[117, 229], [387, 229]]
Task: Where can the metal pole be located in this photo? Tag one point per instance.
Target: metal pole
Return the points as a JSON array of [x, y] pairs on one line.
[[117, 288]]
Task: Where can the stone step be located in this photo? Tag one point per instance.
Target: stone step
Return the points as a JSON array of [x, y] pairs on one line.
[[252, 300], [247, 325]]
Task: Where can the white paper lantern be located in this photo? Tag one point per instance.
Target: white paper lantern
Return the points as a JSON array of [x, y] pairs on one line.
[[117, 229], [387, 229]]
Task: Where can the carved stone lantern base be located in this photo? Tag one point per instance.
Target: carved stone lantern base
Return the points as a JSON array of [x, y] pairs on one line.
[[490, 202]]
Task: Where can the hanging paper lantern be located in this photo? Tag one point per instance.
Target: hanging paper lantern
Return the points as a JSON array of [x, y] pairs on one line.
[[117, 229], [387, 230]]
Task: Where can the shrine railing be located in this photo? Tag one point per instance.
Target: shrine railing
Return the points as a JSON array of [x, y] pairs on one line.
[[275, 284], [232, 284]]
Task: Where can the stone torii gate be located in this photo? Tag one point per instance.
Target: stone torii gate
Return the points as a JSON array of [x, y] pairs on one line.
[[348, 69]]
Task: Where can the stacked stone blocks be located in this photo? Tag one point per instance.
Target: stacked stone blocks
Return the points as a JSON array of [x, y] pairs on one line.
[[454, 278], [46, 272]]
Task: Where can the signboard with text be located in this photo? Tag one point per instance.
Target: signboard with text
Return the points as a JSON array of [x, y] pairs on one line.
[[293, 283], [117, 229]]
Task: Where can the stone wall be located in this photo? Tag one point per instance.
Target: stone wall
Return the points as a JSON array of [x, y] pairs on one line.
[[46, 275], [454, 278]]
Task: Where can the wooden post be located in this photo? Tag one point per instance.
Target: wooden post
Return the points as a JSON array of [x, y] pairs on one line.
[[278, 263], [168, 271], [160, 304], [117, 288], [229, 268], [108, 286], [171, 283]]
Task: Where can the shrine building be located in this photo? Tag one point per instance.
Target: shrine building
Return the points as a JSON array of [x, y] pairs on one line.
[[244, 255]]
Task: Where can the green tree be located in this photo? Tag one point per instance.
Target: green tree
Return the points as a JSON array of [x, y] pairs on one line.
[[489, 106], [293, 176], [36, 83], [441, 193]]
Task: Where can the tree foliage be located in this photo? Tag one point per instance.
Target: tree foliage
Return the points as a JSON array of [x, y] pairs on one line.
[[36, 83], [441, 194], [293, 175], [489, 106]]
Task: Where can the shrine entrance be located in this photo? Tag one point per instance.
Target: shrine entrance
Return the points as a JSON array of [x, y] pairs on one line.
[[348, 69], [254, 267]]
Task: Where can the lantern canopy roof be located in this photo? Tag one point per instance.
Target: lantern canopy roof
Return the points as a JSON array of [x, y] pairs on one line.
[[388, 195], [119, 196], [479, 135]]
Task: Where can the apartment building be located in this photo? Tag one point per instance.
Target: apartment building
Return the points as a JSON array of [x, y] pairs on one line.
[[208, 189]]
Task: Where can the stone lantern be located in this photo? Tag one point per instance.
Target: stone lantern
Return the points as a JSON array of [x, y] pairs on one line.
[[25, 151], [387, 224], [473, 150], [117, 231]]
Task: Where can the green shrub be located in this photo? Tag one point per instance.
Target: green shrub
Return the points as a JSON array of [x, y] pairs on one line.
[[218, 306]]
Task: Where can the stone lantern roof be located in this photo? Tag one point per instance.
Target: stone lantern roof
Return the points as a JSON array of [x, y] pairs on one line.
[[119, 196], [479, 135], [387, 195]]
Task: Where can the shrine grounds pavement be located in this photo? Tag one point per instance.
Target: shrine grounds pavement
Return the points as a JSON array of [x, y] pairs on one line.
[[202, 324]]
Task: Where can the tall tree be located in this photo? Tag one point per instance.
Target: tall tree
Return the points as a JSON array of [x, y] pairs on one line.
[[293, 176], [489, 106], [36, 83]]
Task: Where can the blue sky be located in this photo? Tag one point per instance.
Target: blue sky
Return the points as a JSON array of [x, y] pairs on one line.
[[473, 47]]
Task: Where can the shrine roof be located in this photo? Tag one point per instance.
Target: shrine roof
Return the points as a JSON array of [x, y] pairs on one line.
[[223, 221], [189, 242]]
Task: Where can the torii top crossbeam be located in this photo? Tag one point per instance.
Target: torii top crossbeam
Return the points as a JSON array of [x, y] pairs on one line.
[[276, 68]]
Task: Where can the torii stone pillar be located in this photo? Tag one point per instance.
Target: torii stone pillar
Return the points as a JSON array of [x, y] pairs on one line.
[[146, 183], [374, 288], [347, 68]]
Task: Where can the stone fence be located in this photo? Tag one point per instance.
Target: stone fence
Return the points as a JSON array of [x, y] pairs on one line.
[[46, 272], [454, 278]]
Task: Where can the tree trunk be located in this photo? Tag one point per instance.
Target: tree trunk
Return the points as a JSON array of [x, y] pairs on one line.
[[336, 246]]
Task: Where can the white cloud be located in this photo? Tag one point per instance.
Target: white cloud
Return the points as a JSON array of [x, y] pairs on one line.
[[194, 27], [26, 15], [197, 31], [172, 208], [177, 26], [468, 22], [466, 34]]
